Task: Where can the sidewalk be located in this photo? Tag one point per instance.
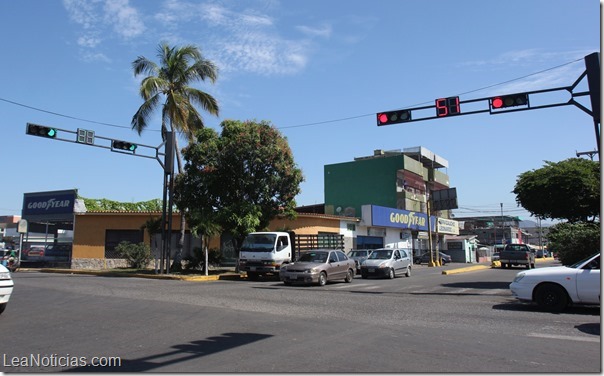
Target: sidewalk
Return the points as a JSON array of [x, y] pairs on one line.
[[214, 274]]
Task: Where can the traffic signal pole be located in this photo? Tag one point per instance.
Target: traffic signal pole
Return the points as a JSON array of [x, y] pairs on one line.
[[88, 137], [592, 68]]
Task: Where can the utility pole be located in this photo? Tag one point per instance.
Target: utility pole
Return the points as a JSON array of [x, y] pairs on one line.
[[502, 228]]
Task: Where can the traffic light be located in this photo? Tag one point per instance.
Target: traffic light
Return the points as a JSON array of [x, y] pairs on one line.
[[512, 100], [123, 145], [41, 131], [393, 117]]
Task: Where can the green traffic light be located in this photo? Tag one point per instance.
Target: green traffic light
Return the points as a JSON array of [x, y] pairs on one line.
[[132, 147], [51, 132]]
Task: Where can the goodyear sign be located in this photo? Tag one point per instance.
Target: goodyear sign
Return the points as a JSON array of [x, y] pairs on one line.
[[53, 205], [404, 219], [397, 218]]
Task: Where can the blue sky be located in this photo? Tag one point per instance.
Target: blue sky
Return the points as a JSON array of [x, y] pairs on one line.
[[318, 70]]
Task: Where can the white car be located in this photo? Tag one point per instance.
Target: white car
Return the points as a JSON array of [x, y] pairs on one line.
[[6, 287], [554, 288]]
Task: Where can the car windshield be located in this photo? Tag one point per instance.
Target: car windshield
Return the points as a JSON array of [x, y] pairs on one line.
[[357, 254], [259, 243], [577, 264], [381, 255], [316, 257]]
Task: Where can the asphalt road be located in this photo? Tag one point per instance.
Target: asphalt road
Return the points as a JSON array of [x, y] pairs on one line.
[[426, 323]]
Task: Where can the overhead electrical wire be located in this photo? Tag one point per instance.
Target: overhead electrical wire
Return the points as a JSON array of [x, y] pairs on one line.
[[288, 126]]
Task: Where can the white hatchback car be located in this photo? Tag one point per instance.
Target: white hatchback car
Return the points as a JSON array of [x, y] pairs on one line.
[[554, 288], [6, 287]]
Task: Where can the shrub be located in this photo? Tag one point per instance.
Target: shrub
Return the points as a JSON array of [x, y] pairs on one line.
[[574, 241], [138, 255]]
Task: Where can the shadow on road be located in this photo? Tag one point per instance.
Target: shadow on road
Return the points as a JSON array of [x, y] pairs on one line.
[[592, 328], [180, 353], [486, 285], [516, 305]]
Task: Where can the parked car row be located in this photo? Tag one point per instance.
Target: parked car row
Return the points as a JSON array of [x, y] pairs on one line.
[[323, 265]]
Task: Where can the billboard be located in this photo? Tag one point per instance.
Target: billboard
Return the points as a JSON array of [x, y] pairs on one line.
[[49, 206]]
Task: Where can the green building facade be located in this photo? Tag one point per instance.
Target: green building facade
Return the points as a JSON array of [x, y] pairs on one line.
[[391, 179]]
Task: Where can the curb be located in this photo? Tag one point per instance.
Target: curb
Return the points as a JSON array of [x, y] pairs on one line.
[[193, 278], [467, 269]]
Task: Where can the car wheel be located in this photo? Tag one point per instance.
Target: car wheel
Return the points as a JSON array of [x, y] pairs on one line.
[[322, 279], [391, 273], [363, 275], [551, 297], [252, 276], [348, 278], [2, 307], [287, 283], [408, 272]]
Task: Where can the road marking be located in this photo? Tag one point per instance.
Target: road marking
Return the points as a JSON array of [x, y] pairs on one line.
[[569, 338], [496, 292]]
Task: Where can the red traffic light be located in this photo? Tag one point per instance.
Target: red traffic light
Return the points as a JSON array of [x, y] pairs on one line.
[[393, 117], [497, 102], [509, 101]]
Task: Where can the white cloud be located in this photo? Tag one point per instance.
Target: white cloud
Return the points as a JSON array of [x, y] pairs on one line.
[[236, 36], [124, 18], [82, 12], [88, 40], [92, 57], [323, 31], [96, 16]]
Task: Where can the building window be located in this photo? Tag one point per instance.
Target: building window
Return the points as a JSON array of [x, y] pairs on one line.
[[370, 242], [115, 237]]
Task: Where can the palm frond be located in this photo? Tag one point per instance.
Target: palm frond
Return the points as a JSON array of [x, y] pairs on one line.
[[143, 65], [151, 86], [139, 120], [203, 69], [204, 100]]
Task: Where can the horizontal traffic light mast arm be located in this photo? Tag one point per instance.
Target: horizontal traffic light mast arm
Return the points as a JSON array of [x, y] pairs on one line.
[[569, 89], [60, 132]]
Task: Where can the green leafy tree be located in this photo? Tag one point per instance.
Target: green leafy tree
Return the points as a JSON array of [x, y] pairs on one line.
[[574, 241], [568, 190], [240, 179], [170, 80]]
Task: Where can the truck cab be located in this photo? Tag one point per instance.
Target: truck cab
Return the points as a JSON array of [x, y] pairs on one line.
[[264, 253]]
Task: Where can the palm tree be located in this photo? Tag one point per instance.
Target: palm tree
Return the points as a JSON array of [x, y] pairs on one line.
[[178, 67]]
